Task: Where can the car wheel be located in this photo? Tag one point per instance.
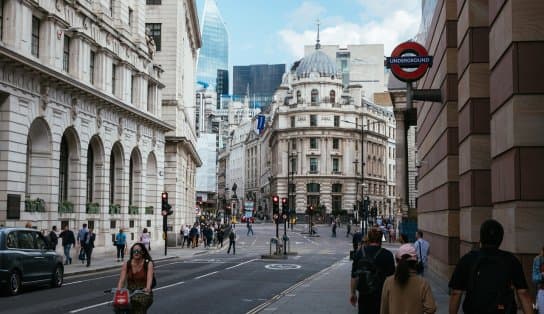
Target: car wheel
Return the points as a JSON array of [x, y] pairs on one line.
[[58, 277], [14, 283]]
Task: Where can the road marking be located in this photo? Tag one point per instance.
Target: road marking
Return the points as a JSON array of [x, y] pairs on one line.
[[108, 302], [251, 260], [215, 272], [87, 280], [282, 266]]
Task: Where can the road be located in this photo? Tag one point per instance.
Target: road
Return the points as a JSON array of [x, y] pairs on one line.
[[209, 283]]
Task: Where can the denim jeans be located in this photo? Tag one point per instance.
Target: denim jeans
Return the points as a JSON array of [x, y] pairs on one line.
[[67, 257]]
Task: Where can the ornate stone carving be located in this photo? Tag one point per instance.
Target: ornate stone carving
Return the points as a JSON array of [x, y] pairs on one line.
[[73, 109], [44, 95], [138, 132], [99, 118], [151, 47], [154, 138], [120, 126]]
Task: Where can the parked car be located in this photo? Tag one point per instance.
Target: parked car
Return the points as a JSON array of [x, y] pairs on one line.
[[27, 259], [244, 219]]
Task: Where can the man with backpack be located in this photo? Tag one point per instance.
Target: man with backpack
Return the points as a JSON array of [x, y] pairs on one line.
[[232, 241], [489, 277], [371, 265]]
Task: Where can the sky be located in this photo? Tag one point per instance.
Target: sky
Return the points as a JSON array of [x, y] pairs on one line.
[[275, 31]]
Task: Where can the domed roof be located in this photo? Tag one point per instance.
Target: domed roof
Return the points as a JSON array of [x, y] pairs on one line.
[[318, 62]]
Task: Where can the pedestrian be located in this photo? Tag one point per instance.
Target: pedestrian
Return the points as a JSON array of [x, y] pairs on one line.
[[185, 236], [68, 240], [88, 245], [371, 265], [348, 230], [80, 240], [403, 238], [538, 279], [249, 227], [405, 292], [232, 241], [145, 239], [137, 274], [489, 277], [53, 238], [193, 236], [28, 224], [334, 229], [121, 244], [357, 239], [422, 248], [220, 236]]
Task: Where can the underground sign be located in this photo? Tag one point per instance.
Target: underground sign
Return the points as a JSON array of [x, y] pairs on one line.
[[409, 55]]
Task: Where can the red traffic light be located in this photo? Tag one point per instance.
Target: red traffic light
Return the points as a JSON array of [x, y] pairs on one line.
[[164, 195], [284, 200], [275, 199]]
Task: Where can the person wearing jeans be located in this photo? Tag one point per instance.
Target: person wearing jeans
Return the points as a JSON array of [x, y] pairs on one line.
[[120, 243], [68, 239]]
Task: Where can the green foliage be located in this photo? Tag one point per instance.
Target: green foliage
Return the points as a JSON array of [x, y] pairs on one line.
[[66, 207], [133, 210], [37, 205], [115, 209], [149, 210], [92, 208]]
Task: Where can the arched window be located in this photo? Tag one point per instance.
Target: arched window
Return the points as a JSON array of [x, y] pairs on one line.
[[63, 170], [315, 97], [90, 174], [299, 97], [332, 96]]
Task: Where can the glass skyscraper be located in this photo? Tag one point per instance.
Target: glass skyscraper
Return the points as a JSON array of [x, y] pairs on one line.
[[259, 82], [214, 53]]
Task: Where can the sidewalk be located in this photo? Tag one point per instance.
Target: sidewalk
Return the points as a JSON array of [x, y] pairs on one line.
[[333, 282], [108, 260]]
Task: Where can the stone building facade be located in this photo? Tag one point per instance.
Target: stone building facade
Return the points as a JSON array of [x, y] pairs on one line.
[[80, 100], [178, 22], [315, 140], [481, 147]]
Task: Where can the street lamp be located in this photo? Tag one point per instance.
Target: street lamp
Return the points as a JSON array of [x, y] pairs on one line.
[[363, 126]]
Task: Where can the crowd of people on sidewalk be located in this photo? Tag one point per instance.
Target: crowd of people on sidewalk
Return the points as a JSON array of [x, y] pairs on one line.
[[488, 278], [208, 234]]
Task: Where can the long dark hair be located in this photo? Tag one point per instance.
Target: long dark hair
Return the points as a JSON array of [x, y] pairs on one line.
[[404, 266], [145, 252]]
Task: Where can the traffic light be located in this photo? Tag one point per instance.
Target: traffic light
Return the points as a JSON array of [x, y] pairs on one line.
[[166, 209], [275, 203], [284, 205]]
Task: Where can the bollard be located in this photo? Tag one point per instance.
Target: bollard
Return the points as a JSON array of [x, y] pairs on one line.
[[285, 242]]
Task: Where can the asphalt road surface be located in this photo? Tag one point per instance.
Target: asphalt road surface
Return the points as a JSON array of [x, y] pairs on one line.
[[208, 283]]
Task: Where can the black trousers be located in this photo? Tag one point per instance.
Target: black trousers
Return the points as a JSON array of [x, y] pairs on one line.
[[233, 245]]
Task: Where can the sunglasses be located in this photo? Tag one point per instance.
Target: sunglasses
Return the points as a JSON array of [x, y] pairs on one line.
[[136, 251]]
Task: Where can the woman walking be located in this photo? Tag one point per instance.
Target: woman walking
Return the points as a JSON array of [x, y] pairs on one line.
[[145, 238], [137, 274], [406, 292], [88, 245]]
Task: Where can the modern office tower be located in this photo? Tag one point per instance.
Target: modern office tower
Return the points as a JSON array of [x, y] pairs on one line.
[[83, 134], [178, 21], [360, 64], [259, 82], [222, 85], [214, 54]]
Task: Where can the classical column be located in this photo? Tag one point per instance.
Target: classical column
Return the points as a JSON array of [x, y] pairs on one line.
[[401, 172]]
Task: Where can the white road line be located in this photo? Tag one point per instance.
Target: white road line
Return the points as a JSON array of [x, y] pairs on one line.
[[215, 272], [89, 307], [87, 280], [108, 302], [251, 260]]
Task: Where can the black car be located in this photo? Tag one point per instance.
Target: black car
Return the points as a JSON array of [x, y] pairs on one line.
[[27, 259]]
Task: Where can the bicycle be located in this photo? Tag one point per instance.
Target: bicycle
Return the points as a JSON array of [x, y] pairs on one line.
[[122, 299]]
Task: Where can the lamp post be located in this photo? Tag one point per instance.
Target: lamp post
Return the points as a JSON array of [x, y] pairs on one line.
[[364, 220]]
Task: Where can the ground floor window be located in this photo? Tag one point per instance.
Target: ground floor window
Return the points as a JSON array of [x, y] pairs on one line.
[[336, 202]]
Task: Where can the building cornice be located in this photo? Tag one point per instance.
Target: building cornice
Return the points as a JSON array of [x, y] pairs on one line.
[[185, 142], [71, 83], [195, 28]]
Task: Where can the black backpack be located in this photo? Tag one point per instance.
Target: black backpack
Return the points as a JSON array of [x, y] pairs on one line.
[[370, 278], [489, 288]]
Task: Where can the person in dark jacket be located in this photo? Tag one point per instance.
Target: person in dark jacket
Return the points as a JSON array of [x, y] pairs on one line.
[[53, 238], [88, 245], [68, 240]]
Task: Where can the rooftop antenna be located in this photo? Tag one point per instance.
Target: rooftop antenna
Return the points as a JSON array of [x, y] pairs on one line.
[[317, 44]]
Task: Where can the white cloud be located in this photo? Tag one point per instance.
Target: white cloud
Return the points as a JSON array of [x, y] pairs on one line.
[[387, 22], [306, 14]]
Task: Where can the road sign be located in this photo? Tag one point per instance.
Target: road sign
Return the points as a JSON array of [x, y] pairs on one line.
[[409, 55]]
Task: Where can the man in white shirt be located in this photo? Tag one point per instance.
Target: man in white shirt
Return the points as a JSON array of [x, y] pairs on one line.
[[422, 249]]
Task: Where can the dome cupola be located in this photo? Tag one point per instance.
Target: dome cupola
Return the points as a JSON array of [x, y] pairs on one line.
[[317, 62]]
